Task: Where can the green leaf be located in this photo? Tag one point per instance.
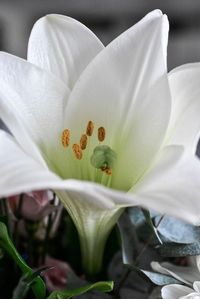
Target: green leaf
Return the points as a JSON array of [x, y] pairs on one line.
[[101, 286], [156, 278], [177, 250], [5, 243], [25, 283]]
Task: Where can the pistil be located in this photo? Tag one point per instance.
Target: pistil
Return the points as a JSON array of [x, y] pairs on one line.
[[103, 158]]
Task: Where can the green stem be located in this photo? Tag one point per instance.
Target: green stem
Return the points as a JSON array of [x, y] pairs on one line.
[[46, 239], [93, 225], [7, 244], [7, 214], [20, 204], [31, 228], [92, 250], [93, 236]]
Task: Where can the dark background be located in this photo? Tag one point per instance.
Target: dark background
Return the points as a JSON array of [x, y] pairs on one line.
[[107, 18]]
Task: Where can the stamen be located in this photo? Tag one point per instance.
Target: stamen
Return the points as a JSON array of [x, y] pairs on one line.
[[77, 151], [90, 128], [66, 137], [83, 141], [101, 134]]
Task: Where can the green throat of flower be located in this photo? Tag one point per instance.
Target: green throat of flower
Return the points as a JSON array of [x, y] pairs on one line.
[[101, 157]]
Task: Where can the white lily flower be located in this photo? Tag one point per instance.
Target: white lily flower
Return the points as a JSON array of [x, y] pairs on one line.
[[188, 275], [140, 144], [177, 291]]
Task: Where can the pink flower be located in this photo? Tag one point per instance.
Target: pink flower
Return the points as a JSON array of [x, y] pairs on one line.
[[56, 278], [35, 205]]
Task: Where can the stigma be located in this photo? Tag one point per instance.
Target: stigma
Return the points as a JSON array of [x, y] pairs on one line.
[[103, 158]]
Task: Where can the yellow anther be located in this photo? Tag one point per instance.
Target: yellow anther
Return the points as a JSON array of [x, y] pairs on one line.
[[83, 141], [106, 170], [77, 151], [65, 137], [90, 128], [101, 134]]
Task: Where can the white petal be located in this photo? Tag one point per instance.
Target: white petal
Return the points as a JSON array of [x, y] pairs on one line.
[[63, 46], [21, 173], [185, 274], [125, 90], [185, 89], [196, 261], [175, 291], [196, 286], [172, 185], [94, 215], [31, 102]]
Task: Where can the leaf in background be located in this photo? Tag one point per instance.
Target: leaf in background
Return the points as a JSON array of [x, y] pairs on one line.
[[22, 288], [156, 278], [177, 231], [25, 283], [138, 220], [156, 293], [129, 240], [179, 250], [74, 281], [6, 244], [101, 286], [160, 279], [136, 216], [149, 221]]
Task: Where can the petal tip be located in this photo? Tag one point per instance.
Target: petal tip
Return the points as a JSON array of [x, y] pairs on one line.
[[156, 13]]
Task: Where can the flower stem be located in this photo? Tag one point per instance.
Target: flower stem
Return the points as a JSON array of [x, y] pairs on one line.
[[93, 236], [94, 225], [92, 250]]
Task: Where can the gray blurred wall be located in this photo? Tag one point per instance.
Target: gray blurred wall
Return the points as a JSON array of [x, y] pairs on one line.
[[107, 18]]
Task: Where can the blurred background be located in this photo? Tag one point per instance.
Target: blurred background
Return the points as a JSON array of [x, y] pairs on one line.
[[107, 18]]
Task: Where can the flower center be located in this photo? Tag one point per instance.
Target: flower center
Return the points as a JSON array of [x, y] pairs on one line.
[[101, 157]]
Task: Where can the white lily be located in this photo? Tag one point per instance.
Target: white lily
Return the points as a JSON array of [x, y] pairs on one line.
[[188, 275], [71, 82], [177, 291]]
